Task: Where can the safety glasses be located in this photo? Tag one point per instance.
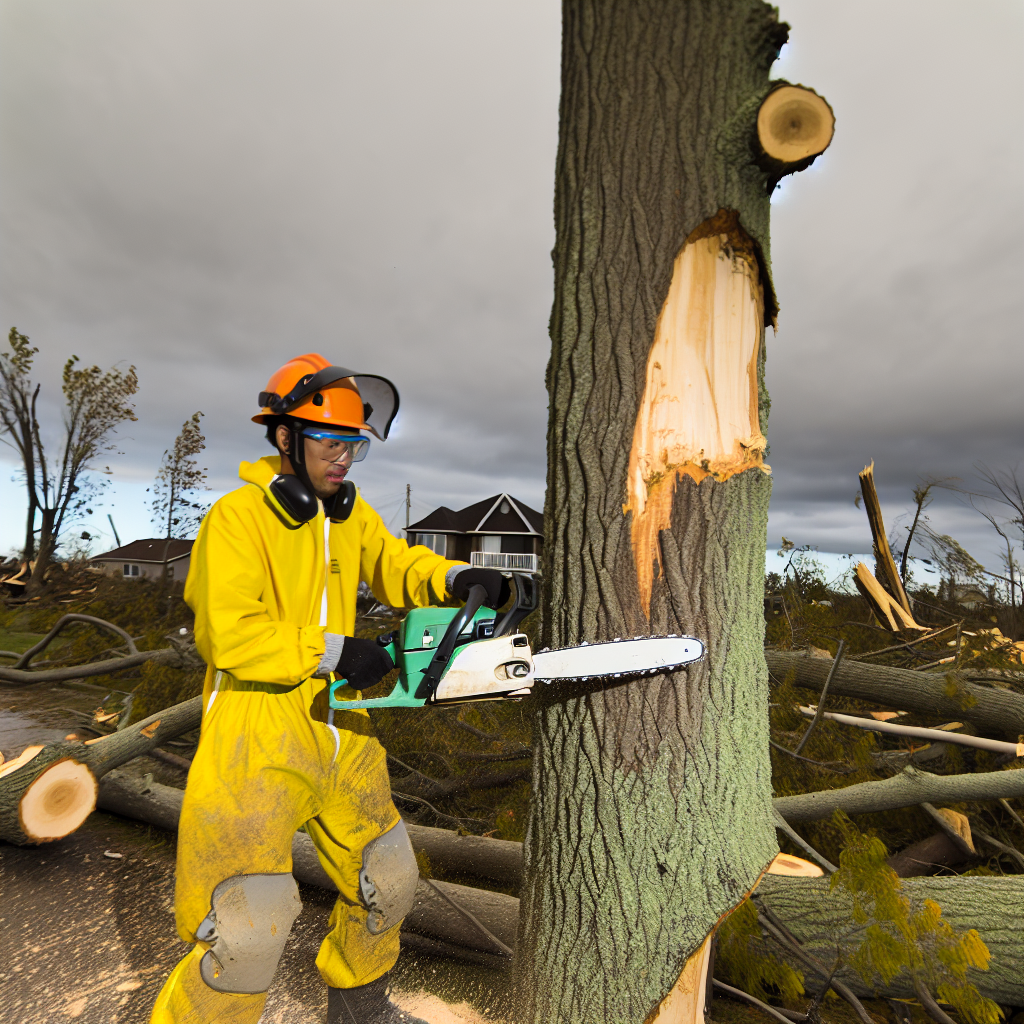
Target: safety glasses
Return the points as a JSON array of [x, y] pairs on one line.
[[333, 447]]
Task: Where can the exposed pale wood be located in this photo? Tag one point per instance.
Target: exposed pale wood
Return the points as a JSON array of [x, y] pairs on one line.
[[794, 123], [699, 412], [787, 864], [686, 1000], [885, 563], [57, 801], [97, 757], [882, 603], [913, 732], [23, 758], [955, 825], [993, 711]]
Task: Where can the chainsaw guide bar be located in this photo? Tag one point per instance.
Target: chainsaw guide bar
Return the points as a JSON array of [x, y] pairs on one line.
[[613, 659]]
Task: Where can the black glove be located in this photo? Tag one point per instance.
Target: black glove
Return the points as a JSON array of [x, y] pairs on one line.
[[363, 663], [497, 587]]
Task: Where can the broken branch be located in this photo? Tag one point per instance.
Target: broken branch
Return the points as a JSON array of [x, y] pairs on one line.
[[991, 710], [912, 786]]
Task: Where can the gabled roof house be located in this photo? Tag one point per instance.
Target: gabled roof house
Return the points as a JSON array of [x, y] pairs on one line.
[[499, 532], [146, 558]]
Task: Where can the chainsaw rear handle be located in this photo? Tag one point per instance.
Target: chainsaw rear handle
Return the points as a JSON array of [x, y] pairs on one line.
[[475, 600], [526, 600]]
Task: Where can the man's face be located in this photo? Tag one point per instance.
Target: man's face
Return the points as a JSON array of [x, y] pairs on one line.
[[325, 475], [327, 461]]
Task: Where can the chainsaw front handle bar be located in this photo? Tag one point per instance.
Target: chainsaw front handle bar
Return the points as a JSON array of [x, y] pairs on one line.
[[432, 676]]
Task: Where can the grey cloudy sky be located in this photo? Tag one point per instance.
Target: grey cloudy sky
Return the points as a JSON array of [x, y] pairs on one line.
[[206, 188]]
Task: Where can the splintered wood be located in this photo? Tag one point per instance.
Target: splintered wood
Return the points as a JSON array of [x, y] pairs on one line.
[[698, 416], [685, 1002]]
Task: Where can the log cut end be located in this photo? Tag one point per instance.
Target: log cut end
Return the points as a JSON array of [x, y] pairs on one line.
[[794, 124], [794, 867], [57, 801], [699, 413]]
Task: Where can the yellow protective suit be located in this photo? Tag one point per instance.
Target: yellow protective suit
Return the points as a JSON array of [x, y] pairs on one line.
[[271, 757]]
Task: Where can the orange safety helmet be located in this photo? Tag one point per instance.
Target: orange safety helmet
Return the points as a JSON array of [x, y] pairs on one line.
[[310, 388]]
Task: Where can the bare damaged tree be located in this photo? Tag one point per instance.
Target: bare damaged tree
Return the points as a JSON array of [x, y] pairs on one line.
[[17, 414], [96, 402], [173, 504]]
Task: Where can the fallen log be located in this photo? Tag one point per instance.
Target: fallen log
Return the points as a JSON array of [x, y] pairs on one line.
[[48, 791], [823, 921], [433, 917], [928, 856], [988, 904], [496, 860], [912, 786], [990, 710]]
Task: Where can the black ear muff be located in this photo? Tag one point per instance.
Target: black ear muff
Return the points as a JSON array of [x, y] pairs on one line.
[[295, 497], [339, 508]]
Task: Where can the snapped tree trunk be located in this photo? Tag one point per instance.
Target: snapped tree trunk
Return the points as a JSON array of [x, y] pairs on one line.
[[651, 813]]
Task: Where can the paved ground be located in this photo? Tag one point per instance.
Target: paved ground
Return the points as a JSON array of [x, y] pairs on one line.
[[89, 938]]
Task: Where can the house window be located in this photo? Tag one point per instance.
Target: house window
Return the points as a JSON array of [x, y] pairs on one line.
[[490, 543], [131, 570], [435, 541]]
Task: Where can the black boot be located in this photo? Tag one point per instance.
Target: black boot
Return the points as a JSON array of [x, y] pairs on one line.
[[367, 1004]]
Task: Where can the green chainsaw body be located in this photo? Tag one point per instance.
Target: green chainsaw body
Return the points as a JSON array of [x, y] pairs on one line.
[[430, 640]]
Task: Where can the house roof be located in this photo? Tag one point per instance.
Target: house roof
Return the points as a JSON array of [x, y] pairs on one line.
[[149, 550], [501, 513]]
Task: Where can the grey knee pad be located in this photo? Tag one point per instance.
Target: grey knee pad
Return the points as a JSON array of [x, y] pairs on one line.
[[387, 879], [248, 924]]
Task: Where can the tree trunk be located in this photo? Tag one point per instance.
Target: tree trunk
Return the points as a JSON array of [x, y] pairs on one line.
[[47, 545], [651, 814], [823, 922], [999, 712]]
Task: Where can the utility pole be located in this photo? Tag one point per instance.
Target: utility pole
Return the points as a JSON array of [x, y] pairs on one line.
[[408, 507]]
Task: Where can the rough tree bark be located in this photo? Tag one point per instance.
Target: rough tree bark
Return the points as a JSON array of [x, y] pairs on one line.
[[651, 815], [823, 922], [993, 711]]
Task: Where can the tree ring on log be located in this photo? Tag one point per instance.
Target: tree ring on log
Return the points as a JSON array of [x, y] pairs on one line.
[[794, 124], [57, 801]]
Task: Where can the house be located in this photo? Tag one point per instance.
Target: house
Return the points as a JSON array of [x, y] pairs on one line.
[[146, 558], [500, 532]]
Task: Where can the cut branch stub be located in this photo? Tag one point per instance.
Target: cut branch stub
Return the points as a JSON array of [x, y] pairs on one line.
[[794, 126], [699, 413]]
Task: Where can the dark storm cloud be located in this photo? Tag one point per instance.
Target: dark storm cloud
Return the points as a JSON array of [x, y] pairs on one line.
[[208, 189], [204, 189]]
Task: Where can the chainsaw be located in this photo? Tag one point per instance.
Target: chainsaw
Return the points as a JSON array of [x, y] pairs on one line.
[[457, 655]]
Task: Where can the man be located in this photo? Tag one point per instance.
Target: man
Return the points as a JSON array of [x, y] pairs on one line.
[[273, 583]]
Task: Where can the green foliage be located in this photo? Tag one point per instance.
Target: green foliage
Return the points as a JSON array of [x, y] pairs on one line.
[[742, 961], [900, 937]]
